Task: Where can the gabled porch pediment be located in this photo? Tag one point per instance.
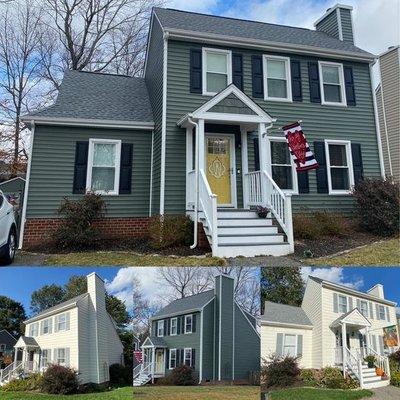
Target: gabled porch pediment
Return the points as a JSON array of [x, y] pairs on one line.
[[25, 341], [155, 342], [353, 317]]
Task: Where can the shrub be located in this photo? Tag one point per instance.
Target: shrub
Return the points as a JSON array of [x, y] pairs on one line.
[[378, 205], [59, 380], [395, 378], [309, 377], [120, 375], [76, 230], [170, 231], [332, 378], [280, 371], [32, 382], [182, 376]]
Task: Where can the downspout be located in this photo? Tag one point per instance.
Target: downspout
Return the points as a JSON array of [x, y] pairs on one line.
[[196, 202]]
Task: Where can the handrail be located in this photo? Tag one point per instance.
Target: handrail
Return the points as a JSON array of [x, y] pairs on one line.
[[142, 370], [381, 362], [354, 364], [7, 373]]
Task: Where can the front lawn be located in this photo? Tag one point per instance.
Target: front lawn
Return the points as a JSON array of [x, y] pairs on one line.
[[116, 394], [197, 393], [319, 394]]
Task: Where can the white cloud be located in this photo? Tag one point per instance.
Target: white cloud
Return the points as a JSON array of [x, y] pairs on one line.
[[334, 274], [398, 311], [203, 6]]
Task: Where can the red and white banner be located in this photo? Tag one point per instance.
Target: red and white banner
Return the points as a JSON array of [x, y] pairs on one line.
[[299, 148], [138, 356]]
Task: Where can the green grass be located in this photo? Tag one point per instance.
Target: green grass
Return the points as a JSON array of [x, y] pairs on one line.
[[129, 259], [382, 253], [116, 394], [319, 394], [197, 393]]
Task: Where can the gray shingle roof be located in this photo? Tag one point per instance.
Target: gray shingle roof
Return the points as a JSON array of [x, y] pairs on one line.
[[29, 341], [158, 342], [87, 95], [61, 305], [231, 27], [282, 313], [186, 304]]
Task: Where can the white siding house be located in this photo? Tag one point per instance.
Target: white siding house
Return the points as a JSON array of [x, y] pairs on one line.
[[78, 333], [330, 312]]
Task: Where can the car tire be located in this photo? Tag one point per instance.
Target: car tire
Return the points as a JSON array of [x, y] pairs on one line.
[[10, 248]]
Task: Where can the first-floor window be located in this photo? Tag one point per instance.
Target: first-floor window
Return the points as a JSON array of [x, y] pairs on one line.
[[364, 308], [160, 328], [188, 323], [46, 357], [62, 357], [289, 345], [103, 166], [174, 326], [172, 358], [188, 357], [340, 166], [282, 168], [342, 304]]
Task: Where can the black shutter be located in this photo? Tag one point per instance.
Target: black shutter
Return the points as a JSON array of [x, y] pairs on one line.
[[357, 162], [257, 76], [125, 177], [313, 76], [194, 323], [183, 324], [178, 324], [237, 70], [193, 358], [295, 71], [166, 358], [349, 84], [322, 177], [165, 327], [256, 155], [302, 180], [195, 71], [181, 356], [80, 169]]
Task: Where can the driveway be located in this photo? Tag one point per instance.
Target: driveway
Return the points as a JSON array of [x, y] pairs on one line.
[[386, 393]]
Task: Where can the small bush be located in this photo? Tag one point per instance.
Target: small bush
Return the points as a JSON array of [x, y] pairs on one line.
[[332, 378], [309, 377], [59, 380], [170, 231], [395, 378], [370, 360], [280, 372], [182, 376], [378, 205], [120, 375], [77, 230], [33, 382]]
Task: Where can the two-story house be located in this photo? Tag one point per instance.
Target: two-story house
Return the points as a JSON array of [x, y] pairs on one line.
[[335, 326], [208, 332], [78, 333], [201, 133]]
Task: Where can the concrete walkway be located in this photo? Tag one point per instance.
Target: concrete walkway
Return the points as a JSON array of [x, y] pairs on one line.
[[386, 393]]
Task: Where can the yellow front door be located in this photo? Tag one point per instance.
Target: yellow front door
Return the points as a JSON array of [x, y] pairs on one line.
[[159, 361], [218, 167]]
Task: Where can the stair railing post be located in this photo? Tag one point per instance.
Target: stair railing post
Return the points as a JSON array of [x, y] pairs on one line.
[[344, 347], [361, 378], [289, 221]]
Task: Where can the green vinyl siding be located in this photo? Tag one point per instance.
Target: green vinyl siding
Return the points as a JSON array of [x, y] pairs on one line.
[[154, 83], [247, 347], [329, 25], [52, 170], [208, 342], [347, 28], [319, 122]]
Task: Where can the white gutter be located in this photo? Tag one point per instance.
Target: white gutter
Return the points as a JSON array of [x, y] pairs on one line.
[[196, 203], [26, 189]]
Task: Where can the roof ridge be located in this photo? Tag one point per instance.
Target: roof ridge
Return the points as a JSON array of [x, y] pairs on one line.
[[103, 73], [192, 295]]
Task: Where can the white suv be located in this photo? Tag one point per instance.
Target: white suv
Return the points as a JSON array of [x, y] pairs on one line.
[[8, 231]]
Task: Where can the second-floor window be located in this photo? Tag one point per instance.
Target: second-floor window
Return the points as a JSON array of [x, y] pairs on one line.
[[62, 322], [364, 308], [332, 83], [217, 70], [34, 329], [382, 313], [172, 358], [188, 323], [160, 328], [342, 300], [46, 326], [277, 85], [174, 326]]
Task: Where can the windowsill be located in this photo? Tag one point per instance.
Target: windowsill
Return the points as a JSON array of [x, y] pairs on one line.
[[209, 94], [290, 192], [103, 193], [281, 100], [340, 193], [327, 103]]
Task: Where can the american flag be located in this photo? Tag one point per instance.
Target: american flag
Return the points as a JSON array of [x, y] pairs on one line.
[[138, 356]]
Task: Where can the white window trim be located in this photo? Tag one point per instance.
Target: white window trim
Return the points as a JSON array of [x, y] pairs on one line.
[[228, 55], [48, 326], [347, 303], [32, 331], [59, 323], [349, 159], [365, 302], [191, 325], [343, 103], [295, 343], [289, 98], [295, 189], [384, 312], [92, 142], [184, 355], [176, 327], [170, 358], [158, 328]]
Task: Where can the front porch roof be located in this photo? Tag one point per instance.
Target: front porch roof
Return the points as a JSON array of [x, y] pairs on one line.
[[255, 115], [26, 341], [153, 341], [353, 318]]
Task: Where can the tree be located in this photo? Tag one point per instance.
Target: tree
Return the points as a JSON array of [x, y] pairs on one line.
[[12, 316], [75, 286], [127, 341], [282, 285], [46, 297], [117, 309]]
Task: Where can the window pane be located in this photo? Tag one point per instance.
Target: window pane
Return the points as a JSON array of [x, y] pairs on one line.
[[337, 155], [104, 155], [103, 179], [283, 177], [330, 74], [280, 153], [340, 179], [216, 62], [276, 69], [290, 340], [332, 93], [277, 88], [216, 82]]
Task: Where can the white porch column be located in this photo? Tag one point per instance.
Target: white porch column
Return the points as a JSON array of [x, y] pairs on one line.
[[344, 346], [262, 151], [189, 162], [153, 358], [367, 339], [245, 166], [15, 357], [201, 142]]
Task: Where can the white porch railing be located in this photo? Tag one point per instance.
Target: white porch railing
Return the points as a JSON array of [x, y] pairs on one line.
[[145, 369], [353, 364], [381, 362], [17, 369]]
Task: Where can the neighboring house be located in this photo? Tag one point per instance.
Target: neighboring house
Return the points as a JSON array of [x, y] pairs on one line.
[[388, 101], [209, 332], [207, 116], [330, 312], [7, 342], [78, 333]]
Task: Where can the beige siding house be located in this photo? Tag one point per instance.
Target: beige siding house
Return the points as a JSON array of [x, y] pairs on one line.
[[78, 333], [388, 103], [330, 312]]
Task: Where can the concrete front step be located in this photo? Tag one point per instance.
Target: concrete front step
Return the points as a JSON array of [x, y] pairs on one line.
[[240, 239], [244, 221], [253, 250], [377, 384], [248, 230]]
